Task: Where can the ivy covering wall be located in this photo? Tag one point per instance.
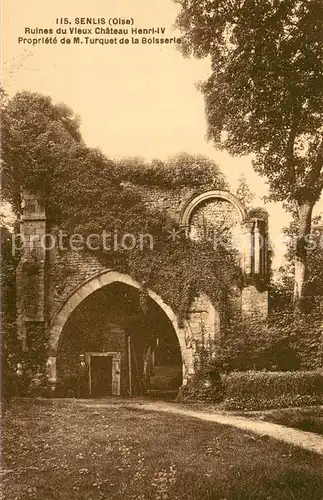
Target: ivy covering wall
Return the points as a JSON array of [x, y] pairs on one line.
[[85, 192]]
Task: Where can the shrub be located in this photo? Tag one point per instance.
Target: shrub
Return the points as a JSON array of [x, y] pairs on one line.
[[302, 334], [261, 390], [207, 390], [287, 342]]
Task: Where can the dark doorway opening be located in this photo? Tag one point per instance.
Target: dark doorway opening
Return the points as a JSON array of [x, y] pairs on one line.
[[101, 376], [118, 320]]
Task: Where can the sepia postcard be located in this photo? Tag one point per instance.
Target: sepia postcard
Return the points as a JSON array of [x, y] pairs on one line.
[[162, 249]]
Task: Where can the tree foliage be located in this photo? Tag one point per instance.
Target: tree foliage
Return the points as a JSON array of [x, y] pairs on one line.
[[36, 138], [286, 342], [265, 92], [178, 171], [282, 289], [10, 346], [243, 192]]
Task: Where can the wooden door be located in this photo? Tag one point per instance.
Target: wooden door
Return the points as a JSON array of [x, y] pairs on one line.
[[116, 369]]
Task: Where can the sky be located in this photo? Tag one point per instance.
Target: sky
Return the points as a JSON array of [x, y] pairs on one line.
[[133, 100]]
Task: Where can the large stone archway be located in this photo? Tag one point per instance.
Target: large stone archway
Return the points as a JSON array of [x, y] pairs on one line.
[[220, 218], [102, 279], [210, 195], [51, 284]]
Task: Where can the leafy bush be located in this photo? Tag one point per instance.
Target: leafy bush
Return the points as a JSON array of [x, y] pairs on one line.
[[301, 333], [288, 341], [260, 390], [209, 390], [10, 344]]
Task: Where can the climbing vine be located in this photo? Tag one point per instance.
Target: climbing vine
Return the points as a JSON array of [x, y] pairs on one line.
[[85, 192]]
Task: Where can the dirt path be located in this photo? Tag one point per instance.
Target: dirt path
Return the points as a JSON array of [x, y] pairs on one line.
[[306, 440]]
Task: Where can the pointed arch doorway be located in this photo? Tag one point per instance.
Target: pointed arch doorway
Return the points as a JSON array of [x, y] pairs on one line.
[[102, 322]]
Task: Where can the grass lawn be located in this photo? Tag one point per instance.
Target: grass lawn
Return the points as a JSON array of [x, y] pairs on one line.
[[63, 450], [306, 419]]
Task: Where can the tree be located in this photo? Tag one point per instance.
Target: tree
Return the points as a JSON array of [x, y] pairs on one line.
[[315, 259], [37, 139], [243, 191], [265, 94], [314, 285]]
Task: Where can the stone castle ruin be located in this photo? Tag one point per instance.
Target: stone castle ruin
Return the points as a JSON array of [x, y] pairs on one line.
[[79, 321]]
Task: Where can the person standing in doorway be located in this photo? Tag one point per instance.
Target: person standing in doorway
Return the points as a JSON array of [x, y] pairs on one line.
[[19, 380]]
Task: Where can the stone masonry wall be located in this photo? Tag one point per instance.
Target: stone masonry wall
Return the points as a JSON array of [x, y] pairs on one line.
[[68, 270], [254, 304], [42, 291], [214, 218], [204, 321], [168, 200]]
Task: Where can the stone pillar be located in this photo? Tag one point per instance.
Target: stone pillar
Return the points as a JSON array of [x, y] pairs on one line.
[[204, 321], [31, 288], [257, 249], [255, 294], [51, 374], [247, 248], [254, 303]]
